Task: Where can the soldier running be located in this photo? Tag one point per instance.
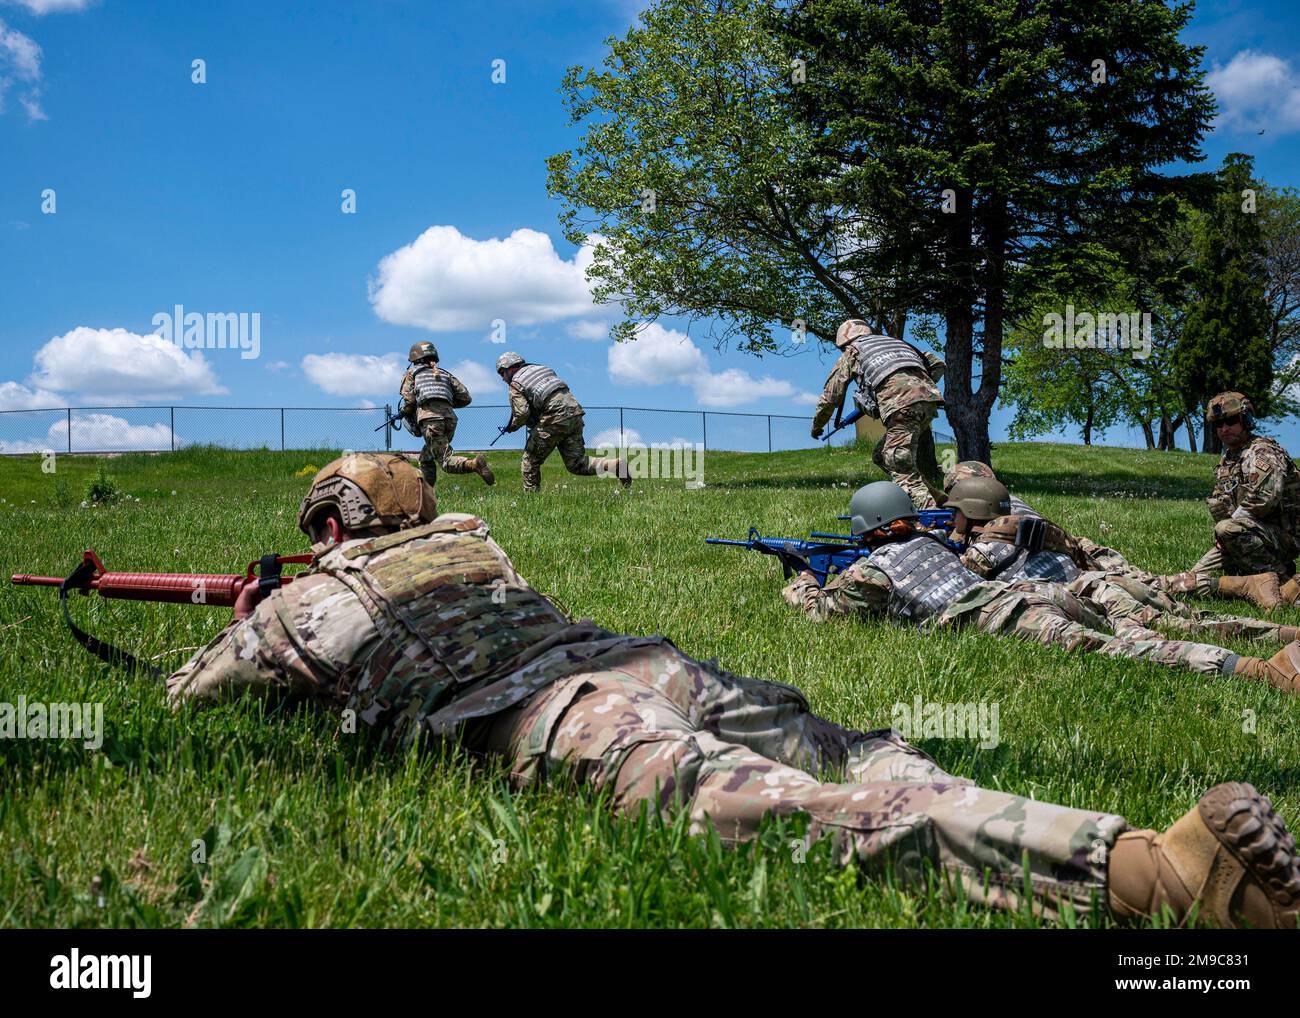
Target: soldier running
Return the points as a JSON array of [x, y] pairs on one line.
[[423, 628], [541, 400], [913, 576], [430, 395], [896, 383]]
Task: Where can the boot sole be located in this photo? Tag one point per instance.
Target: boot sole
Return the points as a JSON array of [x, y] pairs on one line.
[[1243, 821]]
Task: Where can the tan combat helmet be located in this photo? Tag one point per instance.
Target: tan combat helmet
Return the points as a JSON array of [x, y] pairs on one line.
[[1230, 404], [422, 351], [508, 360], [980, 498], [374, 492], [965, 470], [851, 329]]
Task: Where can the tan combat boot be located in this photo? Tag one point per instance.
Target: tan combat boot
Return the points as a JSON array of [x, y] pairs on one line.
[[480, 465], [1260, 589], [1291, 590], [1281, 671], [1232, 855]]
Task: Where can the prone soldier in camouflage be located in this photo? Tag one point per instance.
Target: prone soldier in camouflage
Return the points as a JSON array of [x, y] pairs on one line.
[[421, 626], [1260, 589], [540, 400], [895, 382], [1003, 545], [1255, 505], [913, 576], [431, 395]]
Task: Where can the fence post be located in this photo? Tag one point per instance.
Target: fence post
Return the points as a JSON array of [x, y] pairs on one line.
[[620, 427], [704, 425], [388, 432], [769, 432], [69, 429], [173, 428]]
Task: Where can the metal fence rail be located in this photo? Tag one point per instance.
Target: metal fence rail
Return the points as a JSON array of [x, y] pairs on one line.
[[168, 428]]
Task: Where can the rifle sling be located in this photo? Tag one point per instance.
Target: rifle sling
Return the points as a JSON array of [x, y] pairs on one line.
[[106, 652]]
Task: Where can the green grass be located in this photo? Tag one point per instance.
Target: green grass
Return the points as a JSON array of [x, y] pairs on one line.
[[305, 828]]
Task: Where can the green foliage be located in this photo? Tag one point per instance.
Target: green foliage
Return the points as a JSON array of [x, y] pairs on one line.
[[103, 489], [303, 826]]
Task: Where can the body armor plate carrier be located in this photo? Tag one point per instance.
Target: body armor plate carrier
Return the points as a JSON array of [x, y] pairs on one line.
[[925, 576]]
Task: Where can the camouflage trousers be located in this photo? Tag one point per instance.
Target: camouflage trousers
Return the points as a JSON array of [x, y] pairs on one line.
[[1049, 613], [565, 435], [660, 729], [1245, 546], [1107, 560], [1130, 606], [896, 453], [438, 433]]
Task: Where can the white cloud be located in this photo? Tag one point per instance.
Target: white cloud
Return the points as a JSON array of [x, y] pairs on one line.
[[446, 282], [114, 364], [1257, 90], [20, 65], [97, 433], [51, 6], [592, 331], [630, 438], [354, 374], [658, 356], [17, 397], [277, 366], [477, 377]]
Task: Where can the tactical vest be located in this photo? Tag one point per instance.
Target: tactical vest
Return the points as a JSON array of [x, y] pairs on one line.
[[446, 615], [1053, 561], [925, 576], [1019, 508], [1290, 507], [880, 356], [538, 383], [431, 384]]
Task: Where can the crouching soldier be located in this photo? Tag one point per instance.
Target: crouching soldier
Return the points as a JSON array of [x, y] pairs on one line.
[[420, 625], [431, 396]]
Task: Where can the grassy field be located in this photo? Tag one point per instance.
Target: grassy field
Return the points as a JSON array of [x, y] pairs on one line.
[[306, 828]]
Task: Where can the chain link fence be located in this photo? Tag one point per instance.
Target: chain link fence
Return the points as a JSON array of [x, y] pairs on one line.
[[168, 428]]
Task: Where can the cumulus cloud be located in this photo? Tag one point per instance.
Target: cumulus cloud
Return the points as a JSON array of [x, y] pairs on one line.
[[658, 356], [1257, 90], [477, 377], [17, 397], [444, 281], [114, 364], [20, 68], [630, 438], [354, 374]]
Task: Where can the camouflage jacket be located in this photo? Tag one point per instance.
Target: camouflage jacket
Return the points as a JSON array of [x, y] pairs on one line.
[[560, 407], [415, 632], [901, 389], [1258, 480], [460, 398]]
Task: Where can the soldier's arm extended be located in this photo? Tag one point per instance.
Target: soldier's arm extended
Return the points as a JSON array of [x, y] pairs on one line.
[[459, 394], [859, 590], [1263, 473], [520, 411], [833, 393]]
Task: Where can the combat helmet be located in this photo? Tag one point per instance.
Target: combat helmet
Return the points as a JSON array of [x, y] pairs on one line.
[[422, 351], [980, 498], [967, 469], [851, 329], [372, 491], [508, 360], [877, 505], [1230, 404]]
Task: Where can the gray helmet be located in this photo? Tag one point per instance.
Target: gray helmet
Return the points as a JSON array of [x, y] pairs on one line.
[[509, 360], [877, 504], [422, 351], [980, 498]]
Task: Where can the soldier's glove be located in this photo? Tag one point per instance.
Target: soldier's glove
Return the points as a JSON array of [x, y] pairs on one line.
[[817, 432], [792, 563]]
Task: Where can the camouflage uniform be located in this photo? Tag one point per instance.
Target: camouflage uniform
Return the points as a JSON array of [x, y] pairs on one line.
[[1130, 607], [1046, 613], [556, 424], [430, 632], [906, 401], [1256, 509], [436, 420]]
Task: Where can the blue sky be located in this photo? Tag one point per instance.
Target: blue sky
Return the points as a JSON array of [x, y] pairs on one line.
[[226, 197]]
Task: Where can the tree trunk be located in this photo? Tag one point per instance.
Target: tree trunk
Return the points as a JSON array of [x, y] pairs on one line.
[[1087, 425], [1191, 434], [970, 426], [926, 460], [1148, 434]]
